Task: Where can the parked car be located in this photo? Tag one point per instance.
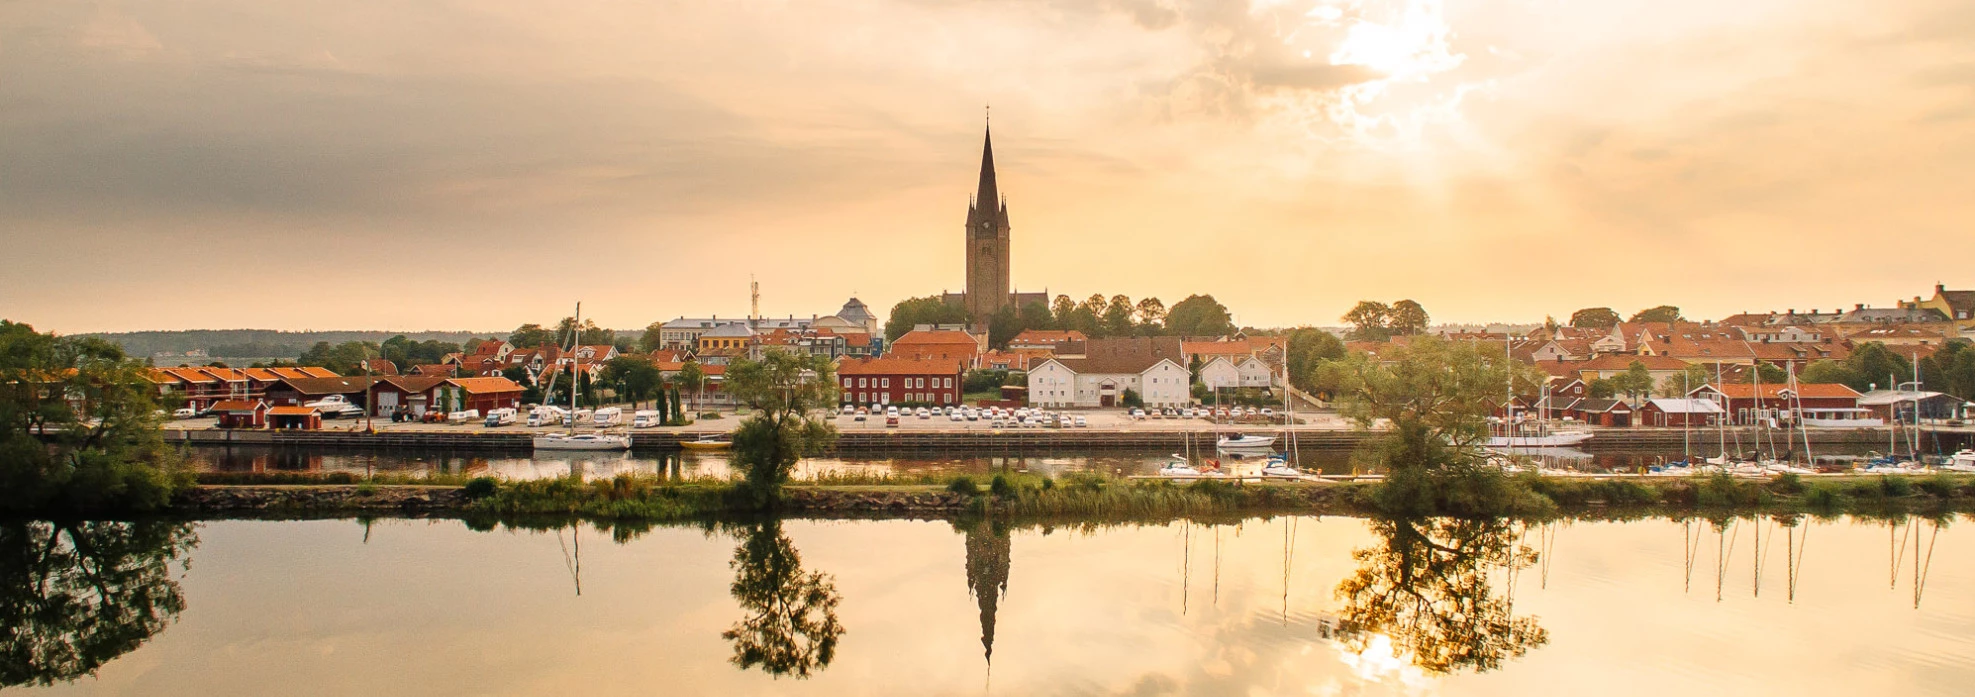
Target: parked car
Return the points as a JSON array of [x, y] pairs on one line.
[[184, 413], [891, 421], [955, 416], [861, 414], [1081, 423], [1268, 411], [1137, 413], [848, 410]]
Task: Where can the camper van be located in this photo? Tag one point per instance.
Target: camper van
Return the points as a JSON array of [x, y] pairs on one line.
[[647, 418], [500, 417], [463, 417], [545, 416], [607, 416]]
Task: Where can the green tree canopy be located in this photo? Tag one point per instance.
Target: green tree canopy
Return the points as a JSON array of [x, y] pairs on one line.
[[1309, 347], [1596, 318], [1436, 394], [529, 336], [1151, 316], [790, 395], [1663, 313], [1118, 316], [1406, 318], [916, 311], [1428, 588], [653, 337], [1199, 315], [1370, 320]]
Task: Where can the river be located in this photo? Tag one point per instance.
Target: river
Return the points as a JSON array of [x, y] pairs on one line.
[[1282, 606]]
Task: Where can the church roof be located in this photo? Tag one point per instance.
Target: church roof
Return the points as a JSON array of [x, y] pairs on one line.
[[856, 311], [989, 196]]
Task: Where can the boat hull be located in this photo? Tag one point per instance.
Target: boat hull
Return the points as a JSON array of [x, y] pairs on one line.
[[1554, 440], [568, 443]]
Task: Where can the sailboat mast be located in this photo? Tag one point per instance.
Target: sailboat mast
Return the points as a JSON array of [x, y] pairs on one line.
[[575, 383]]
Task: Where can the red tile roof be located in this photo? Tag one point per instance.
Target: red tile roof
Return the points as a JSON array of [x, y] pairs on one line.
[[292, 411], [1805, 389], [897, 366], [486, 385], [233, 405]]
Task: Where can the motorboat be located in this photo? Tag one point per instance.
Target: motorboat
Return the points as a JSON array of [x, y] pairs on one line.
[[1962, 461], [582, 441], [1178, 467], [1278, 466], [706, 442], [1241, 440]]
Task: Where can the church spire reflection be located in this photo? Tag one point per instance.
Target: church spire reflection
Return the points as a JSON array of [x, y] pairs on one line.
[[988, 548]]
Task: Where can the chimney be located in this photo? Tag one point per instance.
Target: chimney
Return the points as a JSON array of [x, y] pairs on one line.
[[1939, 288], [1858, 306]]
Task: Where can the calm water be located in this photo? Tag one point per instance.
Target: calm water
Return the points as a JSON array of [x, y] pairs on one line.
[[1288, 606], [529, 466]]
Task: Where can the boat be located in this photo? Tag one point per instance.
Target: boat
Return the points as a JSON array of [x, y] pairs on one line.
[[573, 440], [1547, 440], [706, 442], [582, 441], [1177, 467], [1244, 441], [1962, 461]]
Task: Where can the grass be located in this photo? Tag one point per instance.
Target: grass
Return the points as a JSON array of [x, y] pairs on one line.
[[1098, 497]]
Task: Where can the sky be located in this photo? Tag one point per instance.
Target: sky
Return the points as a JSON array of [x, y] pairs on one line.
[[478, 164]]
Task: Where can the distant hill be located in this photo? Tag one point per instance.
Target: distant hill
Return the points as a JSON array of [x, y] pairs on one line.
[[261, 343]]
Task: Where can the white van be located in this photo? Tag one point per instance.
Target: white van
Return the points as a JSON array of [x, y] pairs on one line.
[[607, 416], [646, 418], [545, 416], [463, 417], [500, 417]]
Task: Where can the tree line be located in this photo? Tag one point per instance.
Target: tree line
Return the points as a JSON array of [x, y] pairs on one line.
[[1097, 316]]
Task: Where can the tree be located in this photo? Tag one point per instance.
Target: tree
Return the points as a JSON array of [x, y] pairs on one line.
[[916, 311], [1308, 348], [1595, 318], [1635, 382], [1130, 399], [1036, 316], [1006, 323], [692, 374], [77, 594], [79, 428], [1199, 315], [1151, 316], [1663, 313], [1601, 388], [790, 623], [1951, 370], [1061, 308], [1873, 364], [634, 377], [653, 338], [1426, 587], [1118, 316], [530, 336], [782, 390], [1406, 318], [1772, 375], [1370, 321]]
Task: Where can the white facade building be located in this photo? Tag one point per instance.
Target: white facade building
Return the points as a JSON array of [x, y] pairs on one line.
[[1150, 367]]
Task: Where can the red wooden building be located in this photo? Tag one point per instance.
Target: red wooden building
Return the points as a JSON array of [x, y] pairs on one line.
[[1679, 413], [241, 413], [294, 418], [1746, 404], [934, 381], [485, 394]]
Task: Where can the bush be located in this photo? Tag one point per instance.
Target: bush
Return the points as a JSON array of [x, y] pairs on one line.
[[1940, 486], [1001, 487], [1895, 487], [709, 415], [964, 486], [1788, 483], [1823, 497], [482, 487], [367, 489]]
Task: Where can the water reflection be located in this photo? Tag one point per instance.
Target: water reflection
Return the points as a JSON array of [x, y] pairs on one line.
[[76, 595], [988, 549], [1426, 589], [790, 623]]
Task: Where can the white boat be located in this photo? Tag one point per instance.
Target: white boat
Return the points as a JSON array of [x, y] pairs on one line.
[[1962, 461], [1178, 468], [582, 441], [1551, 440], [1280, 469], [1246, 441]]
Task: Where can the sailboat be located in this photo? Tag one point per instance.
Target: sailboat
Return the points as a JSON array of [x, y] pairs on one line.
[[572, 440], [1513, 435]]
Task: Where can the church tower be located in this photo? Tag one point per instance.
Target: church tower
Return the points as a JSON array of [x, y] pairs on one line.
[[987, 244]]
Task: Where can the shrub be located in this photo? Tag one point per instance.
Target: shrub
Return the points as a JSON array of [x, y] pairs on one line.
[[367, 489], [1823, 497], [481, 487], [1788, 483], [1001, 487], [1895, 487], [1940, 486], [964, 486]]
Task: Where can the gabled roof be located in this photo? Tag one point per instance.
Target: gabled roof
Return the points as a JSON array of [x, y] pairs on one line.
[[328, 386], [1685, 406], [232, 406], [1623, 361], [936, 337], [1125, 355], [488, 385], [1595, 405], [1812, 390], [412, 383], [292, 411]]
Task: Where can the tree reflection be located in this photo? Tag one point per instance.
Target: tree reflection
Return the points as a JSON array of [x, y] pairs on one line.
[[74, 596], [988, 551], [1427, 589], [791, 623]]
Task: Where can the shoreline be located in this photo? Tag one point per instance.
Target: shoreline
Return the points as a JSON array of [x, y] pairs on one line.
[[632, 499]]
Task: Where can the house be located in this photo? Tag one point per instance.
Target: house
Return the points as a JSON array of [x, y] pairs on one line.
[[958, 346], [726, 337], [377, 366], [487, 393], [408, 395], [1601, 412], [199, 390], [1045, 339], [895, 380], [1679, 412], [1746, 404], [1151, 367], [1957, 305], [294, 418], [298, 391], [1609, 366], [1225, 372], [240, 413]]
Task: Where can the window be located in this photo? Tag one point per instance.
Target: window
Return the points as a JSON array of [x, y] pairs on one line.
[[886, 382]]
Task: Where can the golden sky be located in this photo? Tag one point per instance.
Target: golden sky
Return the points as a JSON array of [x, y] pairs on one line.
[[476, 165]]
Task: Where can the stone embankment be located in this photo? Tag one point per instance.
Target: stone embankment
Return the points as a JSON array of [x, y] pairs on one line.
[[319, 499]]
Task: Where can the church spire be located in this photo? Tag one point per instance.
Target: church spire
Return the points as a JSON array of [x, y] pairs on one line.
[[988, 198]]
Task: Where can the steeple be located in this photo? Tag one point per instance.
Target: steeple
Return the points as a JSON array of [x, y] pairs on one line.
[[988, 198]]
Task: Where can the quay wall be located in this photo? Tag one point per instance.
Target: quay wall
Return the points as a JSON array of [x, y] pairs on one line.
[[978, 440]]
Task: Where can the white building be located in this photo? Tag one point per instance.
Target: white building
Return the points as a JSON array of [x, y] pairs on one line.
[[1226, 372], [1152, 367]]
